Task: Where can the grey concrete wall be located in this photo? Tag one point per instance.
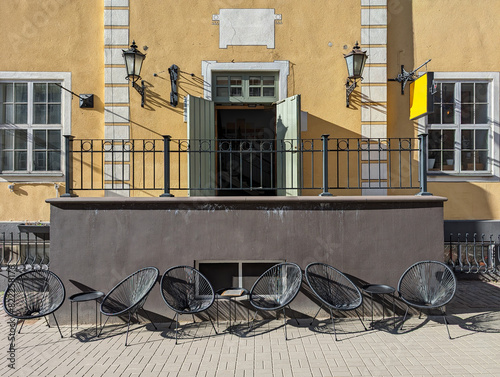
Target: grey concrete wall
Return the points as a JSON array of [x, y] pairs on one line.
[[96, 242]]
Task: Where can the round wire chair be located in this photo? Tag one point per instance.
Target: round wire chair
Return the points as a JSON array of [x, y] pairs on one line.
[[186, 290], [129, 296], [275, 289], [34, 294], [427, 285], [335, 290]]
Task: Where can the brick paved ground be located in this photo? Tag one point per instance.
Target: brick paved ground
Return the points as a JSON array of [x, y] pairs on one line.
[[421, 349]]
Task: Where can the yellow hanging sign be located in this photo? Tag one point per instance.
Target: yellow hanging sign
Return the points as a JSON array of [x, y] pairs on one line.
[[421, 96]]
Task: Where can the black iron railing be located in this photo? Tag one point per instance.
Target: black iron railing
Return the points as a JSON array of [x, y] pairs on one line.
[[246, 167], [472, 252], [23, 251]]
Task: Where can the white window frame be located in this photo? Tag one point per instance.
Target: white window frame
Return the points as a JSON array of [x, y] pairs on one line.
[[209, 67], [493, 79], [64, 78]]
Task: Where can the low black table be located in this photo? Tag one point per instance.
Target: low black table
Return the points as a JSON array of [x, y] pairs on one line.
[[380, 289], [230, 294], [81, 297]]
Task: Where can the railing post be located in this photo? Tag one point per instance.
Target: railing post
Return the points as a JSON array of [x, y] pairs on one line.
[[422, 167], [68, 142], [325, 166], [166, 167]]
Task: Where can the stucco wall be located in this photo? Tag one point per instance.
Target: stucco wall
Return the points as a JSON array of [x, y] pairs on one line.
[[97, 242]]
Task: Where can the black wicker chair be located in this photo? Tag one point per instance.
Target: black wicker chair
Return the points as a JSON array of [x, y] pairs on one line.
[[34, 294], [335, 290], [427, 285], [275, 289], [129, 295], [186, 291]]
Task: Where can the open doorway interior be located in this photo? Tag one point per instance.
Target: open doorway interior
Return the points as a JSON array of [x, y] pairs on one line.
[[246, 160]]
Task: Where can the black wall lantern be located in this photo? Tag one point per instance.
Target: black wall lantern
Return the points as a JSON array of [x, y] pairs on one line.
[[355, 61], [133, 63]]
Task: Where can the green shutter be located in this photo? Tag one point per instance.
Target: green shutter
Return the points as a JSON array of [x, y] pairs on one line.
[[289, 172], [201, 156]]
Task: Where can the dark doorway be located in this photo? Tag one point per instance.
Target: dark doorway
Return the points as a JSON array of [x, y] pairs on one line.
[[246, 160]]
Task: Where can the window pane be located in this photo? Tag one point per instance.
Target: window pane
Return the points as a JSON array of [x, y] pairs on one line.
[[467, 93], [54, 93], [8, 92], [437, 95], [254, 92], [467, 113], [467, 161], [236, 92], [21, 114], [448, 158], [481, 114], [254, 80], [482, 160], [448, 93], [54, 160], [467, 139], [448, 139], [54, 114], [448, 114], [20, 139], [40, 137], [8, 160], [268, 92], [481, 92], [21, 92], [8, 113], [222, 80], [268, 80], [54, 139], [222, 92], [434, 139], [39, 162], [40, 114], [481, 139], [7, 139], [40, 92], [235, 80], [20, 160]]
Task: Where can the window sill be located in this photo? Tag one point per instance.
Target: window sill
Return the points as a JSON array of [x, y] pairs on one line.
[[48, 177], [462, 177]]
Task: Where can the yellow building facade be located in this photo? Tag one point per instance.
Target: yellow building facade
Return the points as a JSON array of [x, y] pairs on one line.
[[240, 64]]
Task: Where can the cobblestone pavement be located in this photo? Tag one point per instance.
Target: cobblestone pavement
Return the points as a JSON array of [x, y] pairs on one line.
[[422, 348]]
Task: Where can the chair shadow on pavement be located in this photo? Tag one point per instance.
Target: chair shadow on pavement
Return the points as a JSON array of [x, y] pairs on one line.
[[488, 322]]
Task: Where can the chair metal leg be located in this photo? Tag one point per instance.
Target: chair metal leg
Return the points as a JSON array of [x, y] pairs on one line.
[[147, 315], [254, 316], [293, 315], [176, 326], [404, 318], [333, 323], [212, 324], [22, 324], [55, 319], [360, 320], [194, 320], [446, 323], [284, 318], [321, 307], [128, 328], [102, 328], [47, 321]]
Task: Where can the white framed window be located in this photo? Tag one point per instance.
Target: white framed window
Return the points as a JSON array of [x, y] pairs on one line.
[[244, 87], [463, 129], [35, 113], [280, 69]]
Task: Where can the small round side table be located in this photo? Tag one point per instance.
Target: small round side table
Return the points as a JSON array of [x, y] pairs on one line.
[[82, 297], [380, 289]]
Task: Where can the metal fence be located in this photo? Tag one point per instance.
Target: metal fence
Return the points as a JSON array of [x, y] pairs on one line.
[[246, 167], [472, 252], [23, 251]]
